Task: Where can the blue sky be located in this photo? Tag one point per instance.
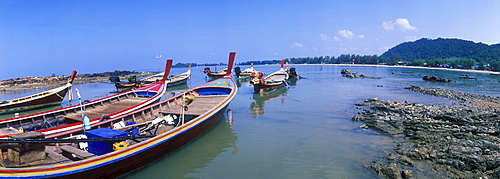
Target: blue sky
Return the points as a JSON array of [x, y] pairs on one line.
[[39, 38]]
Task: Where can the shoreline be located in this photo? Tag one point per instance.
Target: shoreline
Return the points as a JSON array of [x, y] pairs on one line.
[[56, 81], [414, 67]]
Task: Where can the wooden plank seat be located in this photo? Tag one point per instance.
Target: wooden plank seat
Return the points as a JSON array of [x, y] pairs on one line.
[[78, 153], [200, 105], [98, 111], [57, 157]]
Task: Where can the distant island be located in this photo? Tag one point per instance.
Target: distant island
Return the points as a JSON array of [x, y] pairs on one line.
[[425, 52]]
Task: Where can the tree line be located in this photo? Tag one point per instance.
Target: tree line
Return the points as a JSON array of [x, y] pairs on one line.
[[447, 53]]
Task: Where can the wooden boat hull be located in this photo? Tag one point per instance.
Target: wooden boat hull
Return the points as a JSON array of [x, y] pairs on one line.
[[171, 82], [270, 82], [267, 87], [128, 159], [47, 98], [215, 75], [51, 100], [68, 120], [178, 82]]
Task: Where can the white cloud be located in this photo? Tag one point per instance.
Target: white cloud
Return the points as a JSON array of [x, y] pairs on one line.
[[328, 38], [349, 35], [276, 53], [401, 24], [347, 49], [297, 45]]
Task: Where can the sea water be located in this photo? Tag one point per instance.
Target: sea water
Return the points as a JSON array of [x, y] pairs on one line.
[[303, 130]]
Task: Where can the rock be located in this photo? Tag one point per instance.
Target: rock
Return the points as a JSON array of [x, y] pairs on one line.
[[407, 174], [461, 141], [436, 79], [345, 71]]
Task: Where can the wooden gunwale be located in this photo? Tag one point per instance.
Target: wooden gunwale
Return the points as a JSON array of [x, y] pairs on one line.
[[123, 161], [119, 161], [45, 98], [159, 88]]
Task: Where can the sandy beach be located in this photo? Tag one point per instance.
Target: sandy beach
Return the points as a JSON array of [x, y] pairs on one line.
[[418, 67]]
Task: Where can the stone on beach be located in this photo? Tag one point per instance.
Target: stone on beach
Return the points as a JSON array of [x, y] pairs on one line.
[[462, 141]]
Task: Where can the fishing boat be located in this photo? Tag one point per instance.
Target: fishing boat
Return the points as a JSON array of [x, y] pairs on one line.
[[171, 81], [270, 82], [67, 120], [113, 149], [213, 75], [247, 72], [47, 98]]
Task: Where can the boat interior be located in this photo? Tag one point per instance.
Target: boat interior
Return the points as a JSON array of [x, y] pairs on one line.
[[137, 126], [91, 109], [276, 78]]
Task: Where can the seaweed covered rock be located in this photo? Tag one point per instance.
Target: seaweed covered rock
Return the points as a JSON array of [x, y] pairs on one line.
[[459, 141], [436, 79]]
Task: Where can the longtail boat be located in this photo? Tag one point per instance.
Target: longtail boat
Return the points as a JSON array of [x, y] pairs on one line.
[[212, 75], [43, 99], [270, 82], [67, 120], [112, 149], [246, 73], [171, 81]]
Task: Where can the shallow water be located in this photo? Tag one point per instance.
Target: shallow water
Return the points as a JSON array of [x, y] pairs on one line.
[[300, 131]]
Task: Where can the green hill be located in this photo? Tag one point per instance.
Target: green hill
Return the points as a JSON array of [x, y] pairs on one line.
[[443, 49]]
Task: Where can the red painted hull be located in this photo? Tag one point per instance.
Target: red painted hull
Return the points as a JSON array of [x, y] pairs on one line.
[[53, 99], [43, 99]]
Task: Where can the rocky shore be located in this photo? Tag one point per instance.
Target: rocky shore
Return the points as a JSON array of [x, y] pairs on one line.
[[55, 81], [347, 73], [457, 141]]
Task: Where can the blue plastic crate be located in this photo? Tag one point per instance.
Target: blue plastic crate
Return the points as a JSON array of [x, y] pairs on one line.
[[103, 147]]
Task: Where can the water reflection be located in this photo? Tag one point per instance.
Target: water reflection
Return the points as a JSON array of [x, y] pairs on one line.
[[257, 106], [195, 155], [239, 81]]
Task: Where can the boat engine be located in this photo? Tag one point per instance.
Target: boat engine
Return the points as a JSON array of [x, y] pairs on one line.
[[114, 79], [237, 71]]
